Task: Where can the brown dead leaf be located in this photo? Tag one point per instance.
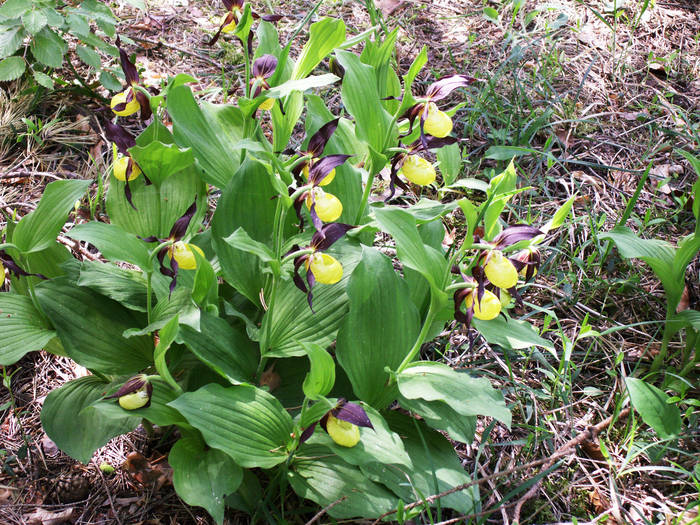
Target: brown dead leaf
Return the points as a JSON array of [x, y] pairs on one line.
[[46, 517], [147, 473], [5, 495], [48, 446], [599, 501], [684, 303], [592, 450], [270, 378], [565, 137]]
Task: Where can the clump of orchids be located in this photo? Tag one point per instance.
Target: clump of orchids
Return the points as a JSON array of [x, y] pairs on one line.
[[494, 277]]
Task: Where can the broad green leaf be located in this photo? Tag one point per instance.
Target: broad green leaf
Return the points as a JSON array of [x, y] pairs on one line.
[[249, 496], [34, 21], [15, 8], [12, 68], [166, 337], [450, 158], [212, 131], [321, 377], [507, 152], [89, 56], [324, 36], [114, 243], [246, 422], [50, 262], [159, 161], [179, 304], [411, 250], [90, 327], [43, 79], [361, 98], [76, 428], [466, 395], [511, 333], [291, 322], [378, 445], [78, 25], [283, 123], [560, 216], [240, 240], [652, 404], [203, 477], [23, 329], [11, 39], [225, 348], [440, 416], [491, 14], [379, 330], [157, 208], [431, 454], [205, 283], [38, 230], [331, 482], [49, 48], [303, 84], [499, 192], [127, 287]]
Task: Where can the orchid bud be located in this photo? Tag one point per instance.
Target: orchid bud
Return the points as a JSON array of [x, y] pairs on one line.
[[131, 107], [184, 255], [328, 207], [342, 432], [121, 164], [326, 269], [135, 393], [487, 308], [437, 123], [500, 271], [326, 180], [418, 170]]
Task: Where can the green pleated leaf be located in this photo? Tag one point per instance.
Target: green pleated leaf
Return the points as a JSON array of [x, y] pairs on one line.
[[652, 404], [291, 322], [240, 240], [76, 427], [203, 477], [10, 39], [283, 123], [247, 202], [157, 208], [127, 287], [114, 243], [326, 479], [321, 377], [379, 330], [38, 229], [23, 329], [214, 133], [179, 304], [12, 68], [361, 98], [159, 161], [378, 445], [324, 36], [466, 395], [431, 454], [225, 348], [440, 416], [49, 262], [90, 327], [511, 333], [246, 422]]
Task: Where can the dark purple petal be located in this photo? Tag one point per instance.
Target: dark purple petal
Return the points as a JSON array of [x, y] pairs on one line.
[[129, 69], [412, 114], [178, 230], [463, 317], [515, 234], [315, 219], [443, 87], [396, 163], [272, 18], [352, 413], [229, 18], [132, 385], [265, 66], [121, 137], [14, 268], [127, 189], [307, 433], [298, 281], [175, 267], [317, 142], [144, 104], [437, 142], [321, 168], [516, 295], [480, 276], [311, 281], [329, 234]]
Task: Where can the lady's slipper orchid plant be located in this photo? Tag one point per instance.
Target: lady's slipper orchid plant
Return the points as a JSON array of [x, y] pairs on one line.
[[433, 121], [320, 267], [131, 100], [342, 424], [181, 254]]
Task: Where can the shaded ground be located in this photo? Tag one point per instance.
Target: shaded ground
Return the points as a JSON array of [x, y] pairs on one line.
[[604, 100]]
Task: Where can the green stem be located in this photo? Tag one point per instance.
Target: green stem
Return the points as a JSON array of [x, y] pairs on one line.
[[427, 324], [661, 356], [149, 291]]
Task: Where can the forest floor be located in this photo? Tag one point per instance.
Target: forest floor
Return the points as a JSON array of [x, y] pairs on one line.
[[607, 93]]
